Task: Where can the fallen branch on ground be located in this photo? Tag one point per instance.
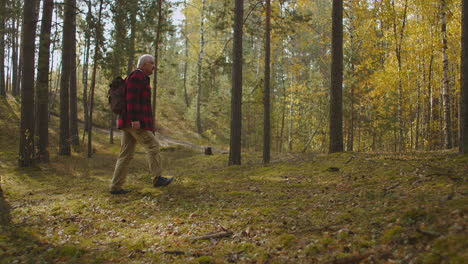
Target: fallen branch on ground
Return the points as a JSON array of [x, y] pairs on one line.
[[392, 187], [180, 253], [213, 235]]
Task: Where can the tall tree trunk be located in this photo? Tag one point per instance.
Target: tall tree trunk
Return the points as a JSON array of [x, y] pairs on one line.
[[156, 58], [26, 148], [14, 57], [291, 120], [19, 84], [186, 42], [236, 94], [67, 46], [74, 138], [93, 79], [283, 105], [2, 48], [200, 64], [85, 68], [42, 86], [336, 88], [418, 110], [133, 9], [447, 130], [430, 103], [266, 93], [398, 46], [7, 74], [350, 131], [463, 146]]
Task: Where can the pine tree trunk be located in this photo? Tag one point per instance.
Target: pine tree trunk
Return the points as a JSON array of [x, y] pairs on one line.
[[186, 42], [85, 69], [67, 46], [14, 58], [447, 129], [283, 106], [93, 80], [463, 145], [336, 89], [266, 93], [156, 58], [291, 121], [199, 65], [133, 8], [26, 149], [350, 137], [42, 86], [430, 104], [236, 95], [2, 49], [74, 138]]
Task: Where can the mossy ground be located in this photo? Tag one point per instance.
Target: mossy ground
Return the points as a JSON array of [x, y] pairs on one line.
[[314, 208]]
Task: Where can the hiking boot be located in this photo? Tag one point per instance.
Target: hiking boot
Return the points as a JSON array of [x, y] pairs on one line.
[[162, 181], [121, 191]]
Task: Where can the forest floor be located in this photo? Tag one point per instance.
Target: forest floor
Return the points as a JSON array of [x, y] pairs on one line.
[[307, 208]]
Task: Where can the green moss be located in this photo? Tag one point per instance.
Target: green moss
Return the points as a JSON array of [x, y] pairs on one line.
[[452, 247], [413, 216], [393, 234], [67, 251], [286, 240], [204, 260], [313, 249]]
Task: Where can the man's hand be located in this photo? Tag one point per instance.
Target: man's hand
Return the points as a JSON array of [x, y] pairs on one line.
[[136, 124]]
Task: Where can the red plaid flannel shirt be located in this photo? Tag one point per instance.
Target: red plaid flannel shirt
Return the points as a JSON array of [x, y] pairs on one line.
[[138, 102]]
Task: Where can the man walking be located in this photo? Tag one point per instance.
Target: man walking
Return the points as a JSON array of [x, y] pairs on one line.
[[136, 123]]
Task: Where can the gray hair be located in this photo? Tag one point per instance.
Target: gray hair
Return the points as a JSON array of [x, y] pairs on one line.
[[146, 58]]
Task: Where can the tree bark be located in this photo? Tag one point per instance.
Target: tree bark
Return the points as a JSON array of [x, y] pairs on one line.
[[2, 48], [133, 8], [14, 57], [447, 130], [156, 58], [74, 138], [85, 68], [236, 94], [336, 88], [463, 146], [67, 46], [200, 65], [26, 149], [42, 86], [266, 93], [93, 79], [186, 42]]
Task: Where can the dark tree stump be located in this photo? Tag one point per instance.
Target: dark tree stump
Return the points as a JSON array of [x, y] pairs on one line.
[[208, 151]]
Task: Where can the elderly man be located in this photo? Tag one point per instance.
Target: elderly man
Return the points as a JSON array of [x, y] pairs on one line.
[[136, 123]]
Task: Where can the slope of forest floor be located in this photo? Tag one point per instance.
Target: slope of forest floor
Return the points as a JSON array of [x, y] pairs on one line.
[[314, 208]]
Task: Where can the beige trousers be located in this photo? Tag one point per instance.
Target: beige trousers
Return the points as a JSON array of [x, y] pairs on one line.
[[131, 136]]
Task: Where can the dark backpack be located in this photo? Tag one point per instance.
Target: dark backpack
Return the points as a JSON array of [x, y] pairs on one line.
[[116, 95]]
